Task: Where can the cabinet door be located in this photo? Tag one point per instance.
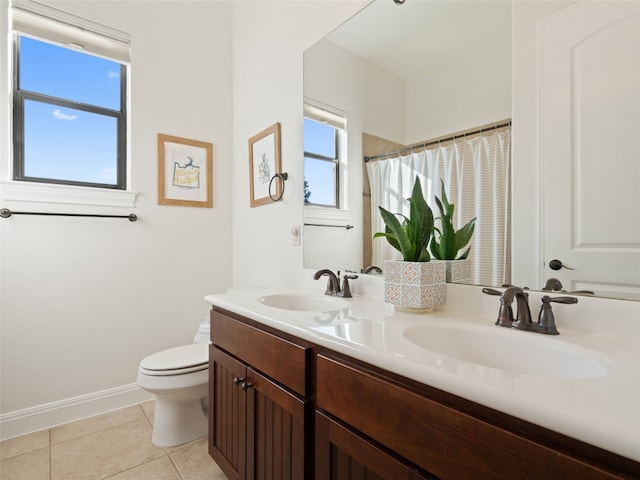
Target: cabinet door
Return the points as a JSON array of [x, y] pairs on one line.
[[275, 431], [227, 413], [343, 455]]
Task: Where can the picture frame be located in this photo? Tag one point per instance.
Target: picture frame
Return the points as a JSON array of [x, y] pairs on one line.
[[264, 162], [185, 172]]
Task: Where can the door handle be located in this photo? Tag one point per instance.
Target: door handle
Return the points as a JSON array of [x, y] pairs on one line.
[[556, 264]]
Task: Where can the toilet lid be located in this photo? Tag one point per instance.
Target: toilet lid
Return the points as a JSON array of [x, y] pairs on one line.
[[185, 359]]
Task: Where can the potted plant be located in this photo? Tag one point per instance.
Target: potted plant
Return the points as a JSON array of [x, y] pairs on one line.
[[447, 241], [414, 283]]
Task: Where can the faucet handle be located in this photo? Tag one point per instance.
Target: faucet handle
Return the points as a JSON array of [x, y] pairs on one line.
[[546, 320], [559, 299], [491, 291], [346, 288], [505, 314], [582, 292]]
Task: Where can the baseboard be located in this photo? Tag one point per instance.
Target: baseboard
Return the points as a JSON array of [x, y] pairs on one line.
[[20, 422]]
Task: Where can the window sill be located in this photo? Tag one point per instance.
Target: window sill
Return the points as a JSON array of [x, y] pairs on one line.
[[312, 214], [66, 194]]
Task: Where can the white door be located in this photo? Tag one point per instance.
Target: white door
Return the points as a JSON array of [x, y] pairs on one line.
[[589, 79]]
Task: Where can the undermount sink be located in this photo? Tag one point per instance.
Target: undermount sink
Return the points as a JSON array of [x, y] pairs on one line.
[[303, 302], [521, 352]]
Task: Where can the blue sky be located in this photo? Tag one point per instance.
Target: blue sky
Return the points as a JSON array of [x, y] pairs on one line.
[[65, 142], [319, 138]]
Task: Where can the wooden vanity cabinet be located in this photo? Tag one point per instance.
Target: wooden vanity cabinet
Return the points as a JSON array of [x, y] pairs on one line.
[[257, 406], [283, 408], [447, 436]]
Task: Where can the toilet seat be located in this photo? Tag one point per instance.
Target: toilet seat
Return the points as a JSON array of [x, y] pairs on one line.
[[176, 361]]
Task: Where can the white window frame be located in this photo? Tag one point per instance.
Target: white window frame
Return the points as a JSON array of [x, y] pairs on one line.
[[30, 18], [318, 111]]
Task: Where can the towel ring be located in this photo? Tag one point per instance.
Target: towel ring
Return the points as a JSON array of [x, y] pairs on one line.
[[283, 177]]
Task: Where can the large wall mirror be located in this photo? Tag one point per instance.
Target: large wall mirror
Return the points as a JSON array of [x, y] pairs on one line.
[[410, 73]]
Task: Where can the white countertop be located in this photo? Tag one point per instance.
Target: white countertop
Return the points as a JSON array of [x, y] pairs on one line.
[[603, 411]]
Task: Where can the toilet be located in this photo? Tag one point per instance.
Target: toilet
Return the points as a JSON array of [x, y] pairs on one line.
[[179, 378]]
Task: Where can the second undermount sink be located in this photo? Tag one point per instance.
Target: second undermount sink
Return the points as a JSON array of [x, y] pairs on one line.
[[514, 351], [304, 302]]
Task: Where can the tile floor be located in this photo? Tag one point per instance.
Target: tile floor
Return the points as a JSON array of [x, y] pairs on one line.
[[115, 445]]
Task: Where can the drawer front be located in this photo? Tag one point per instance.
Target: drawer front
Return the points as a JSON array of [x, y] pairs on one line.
[[277, 358], [442, 440]]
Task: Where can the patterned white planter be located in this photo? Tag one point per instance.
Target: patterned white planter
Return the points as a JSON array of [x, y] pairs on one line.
[[458, 271], [417, 286]]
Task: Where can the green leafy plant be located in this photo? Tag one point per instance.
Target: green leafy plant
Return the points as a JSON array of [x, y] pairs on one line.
[[410, 236], [446, 243]]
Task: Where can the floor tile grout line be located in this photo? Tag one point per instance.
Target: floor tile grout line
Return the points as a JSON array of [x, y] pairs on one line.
[[48, 430], [175, 466], [23, 454], [139, 465], [97, 431]]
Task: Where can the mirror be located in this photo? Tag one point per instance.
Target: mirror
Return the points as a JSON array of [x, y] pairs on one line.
[[369, 68], [374, 68]]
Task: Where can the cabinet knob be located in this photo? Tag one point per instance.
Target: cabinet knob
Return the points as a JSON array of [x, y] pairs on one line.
[[246, 385], [238, 380]]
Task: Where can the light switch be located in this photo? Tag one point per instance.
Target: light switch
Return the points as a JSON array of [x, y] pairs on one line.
[[295, 235]]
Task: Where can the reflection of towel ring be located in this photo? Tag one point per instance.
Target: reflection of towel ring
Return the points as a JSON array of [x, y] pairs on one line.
[[282, 176]]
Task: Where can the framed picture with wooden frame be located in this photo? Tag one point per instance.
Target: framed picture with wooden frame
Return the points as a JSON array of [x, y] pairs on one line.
[[185, 172], [264, 163]]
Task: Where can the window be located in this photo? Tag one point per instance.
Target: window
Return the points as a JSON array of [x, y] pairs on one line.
[[69, 128], [324, 157], [69, 99]]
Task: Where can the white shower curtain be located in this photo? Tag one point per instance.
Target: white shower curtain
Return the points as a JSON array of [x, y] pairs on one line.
[[476, 174]]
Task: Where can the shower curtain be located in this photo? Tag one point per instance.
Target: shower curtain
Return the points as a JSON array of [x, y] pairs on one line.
[[476, 174]]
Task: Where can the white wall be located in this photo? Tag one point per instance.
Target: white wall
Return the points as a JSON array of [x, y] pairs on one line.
[[463, 94], [83, 300], [269, 38], [337, 77]]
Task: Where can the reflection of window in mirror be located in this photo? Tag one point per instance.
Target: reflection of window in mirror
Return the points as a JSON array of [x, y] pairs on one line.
[[324, 157]]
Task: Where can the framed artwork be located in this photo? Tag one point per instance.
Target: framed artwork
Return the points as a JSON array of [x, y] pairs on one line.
[[264, 163], [185, 172]]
